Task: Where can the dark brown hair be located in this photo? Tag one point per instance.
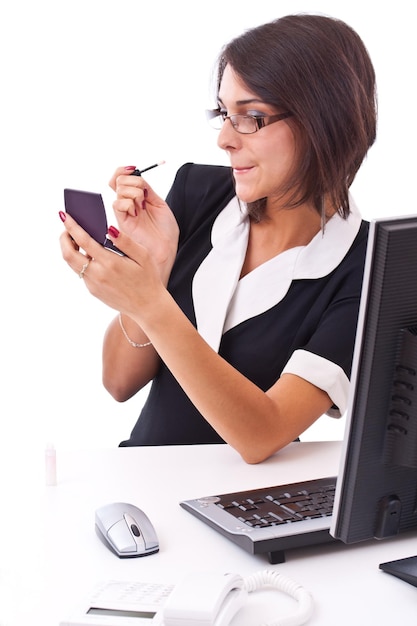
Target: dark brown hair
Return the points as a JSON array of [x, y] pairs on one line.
[[318, 68]]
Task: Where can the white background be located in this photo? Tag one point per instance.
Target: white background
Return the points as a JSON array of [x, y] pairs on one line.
[[89, 85]]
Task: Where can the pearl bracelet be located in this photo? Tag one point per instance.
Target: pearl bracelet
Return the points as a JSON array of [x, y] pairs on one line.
[[132, 343]]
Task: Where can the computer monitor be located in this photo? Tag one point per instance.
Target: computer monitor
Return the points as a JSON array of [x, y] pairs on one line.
[[376, 492]]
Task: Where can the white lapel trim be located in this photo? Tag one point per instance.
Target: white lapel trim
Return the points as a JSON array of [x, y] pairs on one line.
[[262, 288], [215, 280]]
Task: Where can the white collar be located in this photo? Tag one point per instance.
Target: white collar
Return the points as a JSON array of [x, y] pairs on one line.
[[221, 300]]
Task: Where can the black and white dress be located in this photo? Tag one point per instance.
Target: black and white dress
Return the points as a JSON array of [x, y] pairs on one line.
[[296, 313]]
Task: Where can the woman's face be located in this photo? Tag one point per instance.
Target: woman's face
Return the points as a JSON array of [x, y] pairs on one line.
[[261, 161]]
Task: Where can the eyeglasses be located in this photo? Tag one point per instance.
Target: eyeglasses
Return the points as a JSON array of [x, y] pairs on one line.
[[245, 124]]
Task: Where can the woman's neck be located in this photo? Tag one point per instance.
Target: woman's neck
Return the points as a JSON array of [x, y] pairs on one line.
[[280, 229]]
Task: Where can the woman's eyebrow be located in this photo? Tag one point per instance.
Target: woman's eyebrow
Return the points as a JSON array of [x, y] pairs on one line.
[[244, 102]]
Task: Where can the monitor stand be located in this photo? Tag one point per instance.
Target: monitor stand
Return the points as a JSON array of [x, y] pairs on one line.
[[406, 569]]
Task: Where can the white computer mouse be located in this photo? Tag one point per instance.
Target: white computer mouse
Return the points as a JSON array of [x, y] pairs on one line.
[[126, 530]]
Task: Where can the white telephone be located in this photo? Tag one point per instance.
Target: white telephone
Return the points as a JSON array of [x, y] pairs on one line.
[[201, 599]]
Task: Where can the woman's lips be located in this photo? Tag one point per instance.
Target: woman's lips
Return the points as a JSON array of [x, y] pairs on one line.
[[242, 170]]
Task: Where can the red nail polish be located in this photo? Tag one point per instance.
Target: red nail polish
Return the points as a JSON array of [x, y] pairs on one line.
[[63, 216], [113, 231], [130, 168]]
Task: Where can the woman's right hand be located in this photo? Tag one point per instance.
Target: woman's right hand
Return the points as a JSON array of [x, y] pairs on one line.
[[145, 217]]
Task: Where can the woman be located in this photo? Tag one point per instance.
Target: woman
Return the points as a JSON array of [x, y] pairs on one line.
[[239, 295]]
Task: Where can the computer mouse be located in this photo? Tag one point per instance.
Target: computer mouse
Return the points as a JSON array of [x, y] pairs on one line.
[[126, 530]]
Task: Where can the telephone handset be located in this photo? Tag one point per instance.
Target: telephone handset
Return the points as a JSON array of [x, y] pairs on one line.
[[206, 599]]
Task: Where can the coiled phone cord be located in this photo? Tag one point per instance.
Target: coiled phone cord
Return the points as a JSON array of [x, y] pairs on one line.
[[270, 578]]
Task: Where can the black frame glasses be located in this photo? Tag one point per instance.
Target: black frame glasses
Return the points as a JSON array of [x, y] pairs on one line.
[[245, 124]]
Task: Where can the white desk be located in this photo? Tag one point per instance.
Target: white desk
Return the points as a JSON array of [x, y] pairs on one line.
[[51, 556]]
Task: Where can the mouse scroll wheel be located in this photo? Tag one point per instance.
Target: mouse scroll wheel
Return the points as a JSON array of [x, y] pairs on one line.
[[135, 530], [132, 525]]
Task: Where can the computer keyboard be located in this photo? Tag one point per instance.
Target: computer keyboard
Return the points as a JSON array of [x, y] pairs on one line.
[[271, 519]]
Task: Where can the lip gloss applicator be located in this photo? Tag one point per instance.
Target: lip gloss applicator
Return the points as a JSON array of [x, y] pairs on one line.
[[140, 172]]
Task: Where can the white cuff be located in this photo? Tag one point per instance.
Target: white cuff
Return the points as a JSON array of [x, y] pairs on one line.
[[323, 374]]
